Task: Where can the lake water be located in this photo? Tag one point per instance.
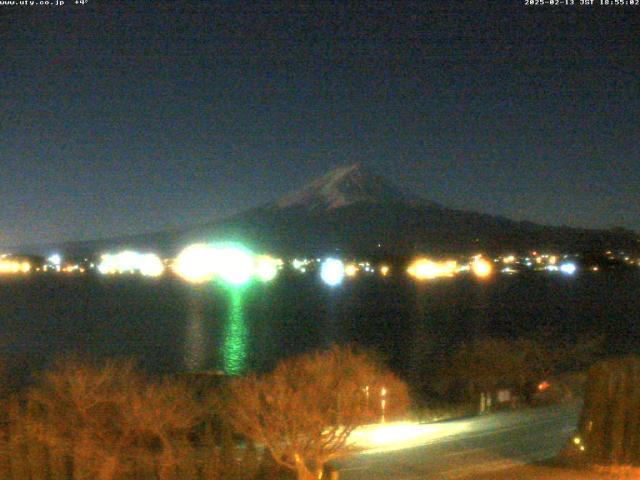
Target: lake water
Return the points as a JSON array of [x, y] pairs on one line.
[[170, 326]]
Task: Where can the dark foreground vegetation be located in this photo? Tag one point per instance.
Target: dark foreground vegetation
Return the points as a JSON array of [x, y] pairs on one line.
[[609, 430], [109, 421]]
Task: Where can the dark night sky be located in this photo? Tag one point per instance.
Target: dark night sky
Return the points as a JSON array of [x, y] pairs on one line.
[[119, 119]]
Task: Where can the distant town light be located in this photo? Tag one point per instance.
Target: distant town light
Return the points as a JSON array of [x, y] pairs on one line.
[[351, 270], [332, 272], [300, 264], [425, 269], [267, 267], [234, 265], [196, 263], [568, 268], [8, 266], [481, 268], [106, 265], [150, 265], [55, 260], [127, 261]]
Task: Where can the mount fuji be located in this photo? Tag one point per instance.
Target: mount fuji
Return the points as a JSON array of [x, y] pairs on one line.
[[343, 187], [356, 211]]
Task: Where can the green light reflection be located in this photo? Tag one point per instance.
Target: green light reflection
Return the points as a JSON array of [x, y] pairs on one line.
[[234, 349]]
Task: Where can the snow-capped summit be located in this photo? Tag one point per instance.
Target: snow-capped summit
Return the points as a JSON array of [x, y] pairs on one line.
[[341, 187]]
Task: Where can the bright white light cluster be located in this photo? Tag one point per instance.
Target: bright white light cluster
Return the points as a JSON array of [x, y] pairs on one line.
[[55, 260], [235, 265], [332, 271], [147, 264], [194, 263]]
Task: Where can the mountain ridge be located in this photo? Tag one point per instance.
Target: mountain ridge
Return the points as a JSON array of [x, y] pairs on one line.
[[353, 209]]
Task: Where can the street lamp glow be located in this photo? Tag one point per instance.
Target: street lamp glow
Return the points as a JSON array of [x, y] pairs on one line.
[[383, 402], [568, 268], [332, 272]]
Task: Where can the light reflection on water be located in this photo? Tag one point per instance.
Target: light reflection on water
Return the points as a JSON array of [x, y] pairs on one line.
[[171, 327], [195, 348], [234, 348]]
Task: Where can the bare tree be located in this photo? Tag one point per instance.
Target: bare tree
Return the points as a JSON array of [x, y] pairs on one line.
[[159, 419], [75, 409], [304, 411], [110, 420]]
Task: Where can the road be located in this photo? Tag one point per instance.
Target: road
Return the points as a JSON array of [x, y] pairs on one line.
[[461, 448]]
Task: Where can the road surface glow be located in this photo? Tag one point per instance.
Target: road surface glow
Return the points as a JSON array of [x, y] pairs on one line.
[[389, 437], [462, 448]]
